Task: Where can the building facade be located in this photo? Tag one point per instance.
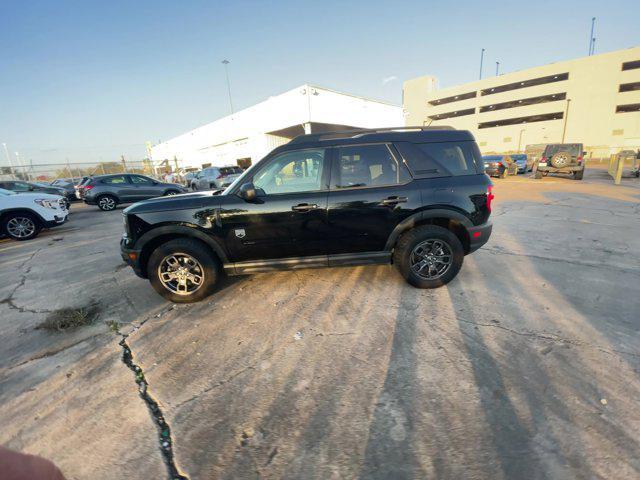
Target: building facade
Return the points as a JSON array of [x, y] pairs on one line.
[[248, 135], [593, 100]]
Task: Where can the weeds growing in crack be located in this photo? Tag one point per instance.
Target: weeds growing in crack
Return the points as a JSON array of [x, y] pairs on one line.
[[164, 431]]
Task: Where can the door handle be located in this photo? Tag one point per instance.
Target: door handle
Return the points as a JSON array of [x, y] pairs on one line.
[[394, 200], [304, 207]]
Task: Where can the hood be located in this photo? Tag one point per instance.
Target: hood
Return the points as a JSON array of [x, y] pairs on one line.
[[35, 195], [174, 202]]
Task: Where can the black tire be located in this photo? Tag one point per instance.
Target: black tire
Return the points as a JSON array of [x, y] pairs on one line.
[[402, 255], [578, 174], [537, 175], [208, 268], [107, 203], [13, 226]]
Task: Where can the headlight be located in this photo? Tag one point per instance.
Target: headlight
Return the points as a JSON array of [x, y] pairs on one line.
[[46, 203]]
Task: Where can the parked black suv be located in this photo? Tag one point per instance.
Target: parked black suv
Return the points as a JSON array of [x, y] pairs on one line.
[[561, 158], [415, 197]]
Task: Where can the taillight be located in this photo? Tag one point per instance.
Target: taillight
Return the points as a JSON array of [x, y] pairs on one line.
[[489, 197], [543, 159], [87, 187], [579, 159]]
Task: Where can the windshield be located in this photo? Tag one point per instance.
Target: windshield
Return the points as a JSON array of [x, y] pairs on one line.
[[6, 192]]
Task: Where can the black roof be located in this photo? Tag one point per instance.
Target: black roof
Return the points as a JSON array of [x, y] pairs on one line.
[[396, 134]]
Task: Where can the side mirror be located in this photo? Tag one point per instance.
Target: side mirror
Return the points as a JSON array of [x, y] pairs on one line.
[[31, 188], [247, 192], [155, 182]]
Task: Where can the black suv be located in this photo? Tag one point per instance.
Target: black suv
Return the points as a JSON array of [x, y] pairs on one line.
[[561, 158], [415, 197]]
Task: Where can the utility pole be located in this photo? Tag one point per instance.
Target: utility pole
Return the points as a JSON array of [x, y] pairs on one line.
[[124, 164], [25, 176], [520, 140], [593, 45], [566, 119], [6, 153], [226, 72], [481, 60], [497, 68], [592, 40]]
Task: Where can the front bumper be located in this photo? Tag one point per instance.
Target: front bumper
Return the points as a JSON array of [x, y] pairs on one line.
[[479, 235], [57, 220], [131, 256], [569, 169]]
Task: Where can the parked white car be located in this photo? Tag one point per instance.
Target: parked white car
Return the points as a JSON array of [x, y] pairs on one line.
[[23, 216]]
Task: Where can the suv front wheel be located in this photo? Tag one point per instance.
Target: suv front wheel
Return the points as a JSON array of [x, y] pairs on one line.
[[183, 270], [428, 256], [20, 226]]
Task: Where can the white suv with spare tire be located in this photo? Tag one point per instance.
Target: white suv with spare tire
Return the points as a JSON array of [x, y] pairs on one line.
[[23, 216]]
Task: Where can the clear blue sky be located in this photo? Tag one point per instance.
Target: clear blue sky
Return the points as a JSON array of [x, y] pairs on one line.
[[94, 79]]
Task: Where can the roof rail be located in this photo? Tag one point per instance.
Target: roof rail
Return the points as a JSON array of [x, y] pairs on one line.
[[311, 137]]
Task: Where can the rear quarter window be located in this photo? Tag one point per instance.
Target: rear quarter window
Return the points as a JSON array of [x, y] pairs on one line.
[[439, 159]]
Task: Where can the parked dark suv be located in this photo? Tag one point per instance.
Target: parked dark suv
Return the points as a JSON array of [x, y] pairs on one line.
[[107, 191], [414, 197], [561, 158]]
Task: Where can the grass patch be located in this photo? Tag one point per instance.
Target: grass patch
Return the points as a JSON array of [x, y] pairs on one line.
[[69, 318]]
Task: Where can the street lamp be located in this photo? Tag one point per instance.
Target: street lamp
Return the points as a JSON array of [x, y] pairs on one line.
[[226, 71], [6, 153], [566, 119], [481, 60], [497, 68], [520, 140]]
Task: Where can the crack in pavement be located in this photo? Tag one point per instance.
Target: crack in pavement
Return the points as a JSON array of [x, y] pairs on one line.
[[552, 337], [9, 300], [164, 430]]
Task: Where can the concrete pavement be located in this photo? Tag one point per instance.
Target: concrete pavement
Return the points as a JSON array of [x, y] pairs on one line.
[[525, 366]]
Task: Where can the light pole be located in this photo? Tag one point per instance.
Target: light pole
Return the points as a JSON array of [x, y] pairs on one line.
[[25, 176], [520, 140], [591, 39], [566, 119], [6, 153], [497, 68], [226, 71], [481, 60]]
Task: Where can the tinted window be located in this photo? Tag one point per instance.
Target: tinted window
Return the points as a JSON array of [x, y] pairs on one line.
[[140, 180], [572, 148], [299, 171], [115, 180], [230, 170], [367, 166], [457, 158], [21, 187]]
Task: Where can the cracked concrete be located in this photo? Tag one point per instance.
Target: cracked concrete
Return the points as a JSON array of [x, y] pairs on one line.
[[528, 362]]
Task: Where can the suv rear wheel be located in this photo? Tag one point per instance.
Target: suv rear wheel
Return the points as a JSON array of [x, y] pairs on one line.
[[20, 226], [428, 256], [106, 203], [577, 175], [183, 270]]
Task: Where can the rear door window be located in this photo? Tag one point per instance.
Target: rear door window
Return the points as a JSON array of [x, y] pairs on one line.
[[137, 180], [367, 166], [118, 180]]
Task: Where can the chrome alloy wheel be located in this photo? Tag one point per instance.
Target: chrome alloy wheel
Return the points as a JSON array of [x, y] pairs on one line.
[[431, 259], [21, 227], [107, 203], [181, 274]]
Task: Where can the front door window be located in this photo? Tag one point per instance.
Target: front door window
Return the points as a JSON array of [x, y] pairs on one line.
[[292, 172]]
